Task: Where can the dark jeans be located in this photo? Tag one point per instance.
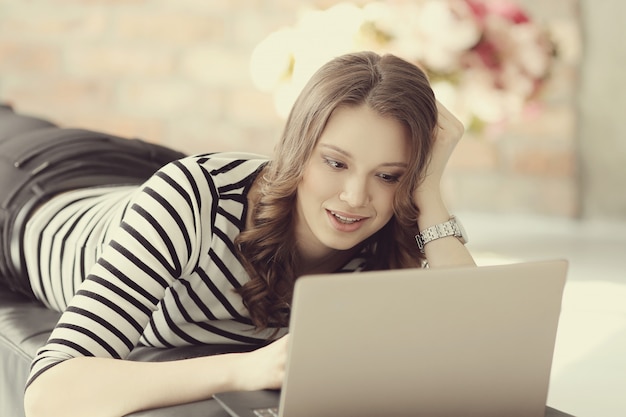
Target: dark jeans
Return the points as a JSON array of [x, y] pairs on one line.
[[39, 160]]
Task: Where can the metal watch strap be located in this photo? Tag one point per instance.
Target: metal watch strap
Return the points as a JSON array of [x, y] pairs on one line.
[[448, 228]]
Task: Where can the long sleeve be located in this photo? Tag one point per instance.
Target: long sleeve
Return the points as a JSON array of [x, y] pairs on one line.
[[168, 273], [152, 247]]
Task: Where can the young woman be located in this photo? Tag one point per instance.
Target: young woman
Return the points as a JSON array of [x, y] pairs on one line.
[[207, 249]]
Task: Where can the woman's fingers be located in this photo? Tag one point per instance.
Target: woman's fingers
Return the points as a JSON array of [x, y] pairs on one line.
[[263, 368]]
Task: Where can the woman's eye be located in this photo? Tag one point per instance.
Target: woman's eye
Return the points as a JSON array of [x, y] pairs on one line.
[[334, 164], [389, 178]]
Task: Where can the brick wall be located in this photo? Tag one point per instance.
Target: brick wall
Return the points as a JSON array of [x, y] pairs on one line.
[[177, 73]]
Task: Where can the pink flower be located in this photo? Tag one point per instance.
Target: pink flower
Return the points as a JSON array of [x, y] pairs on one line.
[[486, 57], [479, 8], [488, 53], [503, 8], [509, 11]]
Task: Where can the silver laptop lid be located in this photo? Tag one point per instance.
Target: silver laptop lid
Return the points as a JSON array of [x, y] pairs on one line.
[[469, 342]]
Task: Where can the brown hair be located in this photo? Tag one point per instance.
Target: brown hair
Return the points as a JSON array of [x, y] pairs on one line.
[[387, 84]]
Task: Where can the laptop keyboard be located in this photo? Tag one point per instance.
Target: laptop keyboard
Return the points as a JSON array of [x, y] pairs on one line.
[[266, 412]]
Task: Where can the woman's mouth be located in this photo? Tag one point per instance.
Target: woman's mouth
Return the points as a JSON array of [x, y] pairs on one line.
[[344, 219], [344, 222]]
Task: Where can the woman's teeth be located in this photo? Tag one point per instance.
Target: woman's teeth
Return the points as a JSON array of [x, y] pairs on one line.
[[343, 219]]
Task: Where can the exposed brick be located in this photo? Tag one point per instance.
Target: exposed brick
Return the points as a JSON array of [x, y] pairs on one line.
[[116, 3], [552, 122], [474, 153], [216, 66], [151, 130], [196, 135], [117, 60], [51, 21], [262, 141], [44, 94], [249, 107], [167, 26], [249, 26], [157, 97], [23, 57], [544, 162]]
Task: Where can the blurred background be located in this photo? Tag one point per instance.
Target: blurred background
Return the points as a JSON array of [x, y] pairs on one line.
[[205, 76], [538, 84]]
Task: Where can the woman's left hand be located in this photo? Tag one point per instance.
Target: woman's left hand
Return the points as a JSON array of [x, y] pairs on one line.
[[432, 209], [449, 132]]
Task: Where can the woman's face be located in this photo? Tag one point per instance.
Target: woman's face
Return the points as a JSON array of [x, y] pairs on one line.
[[348, 185]]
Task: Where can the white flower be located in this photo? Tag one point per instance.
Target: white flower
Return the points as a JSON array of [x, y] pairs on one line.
[[486, 59]]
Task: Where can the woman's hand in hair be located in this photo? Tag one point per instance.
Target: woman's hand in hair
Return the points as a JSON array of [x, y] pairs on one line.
[[263, 368], [449, 131], [427, 197]]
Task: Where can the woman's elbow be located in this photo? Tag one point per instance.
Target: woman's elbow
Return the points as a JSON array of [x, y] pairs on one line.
[[44, 397], [34, 400]]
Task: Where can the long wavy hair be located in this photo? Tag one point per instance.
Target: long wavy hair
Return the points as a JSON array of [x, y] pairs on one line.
[[393, 88]]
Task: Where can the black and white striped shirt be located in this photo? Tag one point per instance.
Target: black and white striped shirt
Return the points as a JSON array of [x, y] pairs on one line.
[[160, 261]]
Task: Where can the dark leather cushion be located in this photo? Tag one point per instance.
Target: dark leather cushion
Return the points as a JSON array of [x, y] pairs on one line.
[[24, 327], [12, 124]]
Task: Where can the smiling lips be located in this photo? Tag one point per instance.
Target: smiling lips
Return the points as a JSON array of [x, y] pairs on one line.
[[345, 223], [346, 220]]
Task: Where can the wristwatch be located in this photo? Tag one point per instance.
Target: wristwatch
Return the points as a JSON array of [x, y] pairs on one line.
[[452, 227]]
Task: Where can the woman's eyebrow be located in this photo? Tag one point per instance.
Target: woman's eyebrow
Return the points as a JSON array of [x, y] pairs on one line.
[[337, 149], [349, 155]]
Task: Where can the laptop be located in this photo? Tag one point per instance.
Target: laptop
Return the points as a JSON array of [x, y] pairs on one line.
[[465, 341]]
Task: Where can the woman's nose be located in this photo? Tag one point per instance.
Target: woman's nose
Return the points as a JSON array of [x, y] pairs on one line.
[[355, 192]]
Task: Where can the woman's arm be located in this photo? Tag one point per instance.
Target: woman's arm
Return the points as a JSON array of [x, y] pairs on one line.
[[447, 251], [104, 387], [82, 370]]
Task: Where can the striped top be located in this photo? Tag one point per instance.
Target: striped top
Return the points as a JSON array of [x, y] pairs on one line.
[[160, 259]]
